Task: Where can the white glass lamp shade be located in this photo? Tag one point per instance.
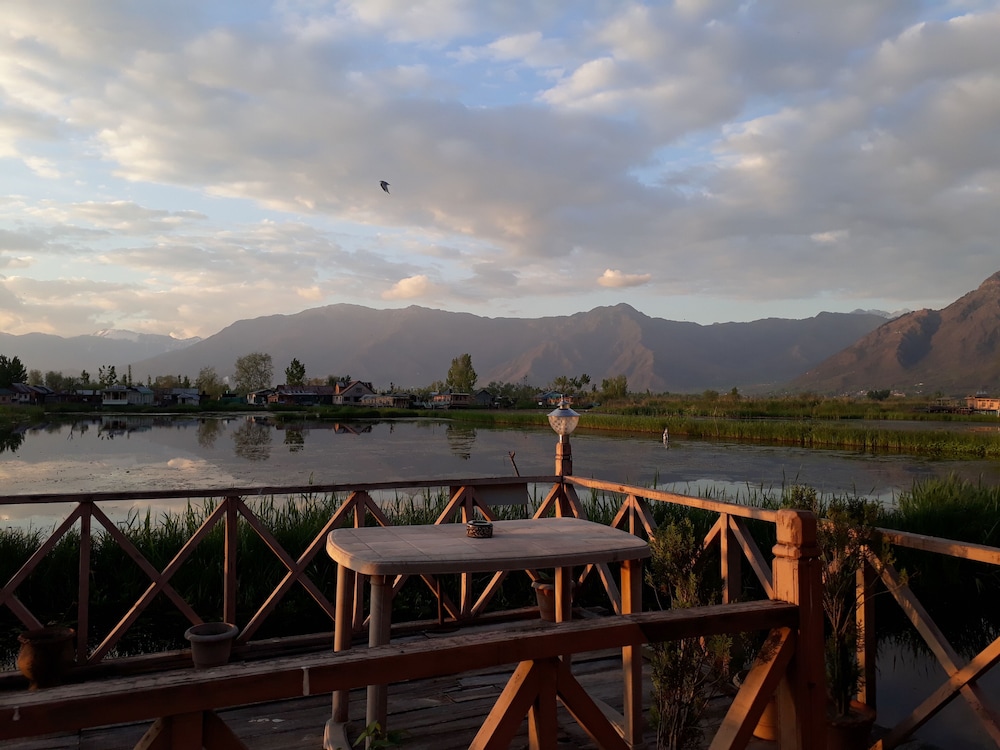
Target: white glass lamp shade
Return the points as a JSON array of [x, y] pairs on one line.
[[563, 420]]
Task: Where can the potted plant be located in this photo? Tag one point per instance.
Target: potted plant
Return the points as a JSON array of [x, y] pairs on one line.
[[846, 535], [211, 643], [45, 655], [545, 595]]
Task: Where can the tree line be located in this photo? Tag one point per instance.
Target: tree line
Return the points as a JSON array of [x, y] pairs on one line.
[[255, 372]]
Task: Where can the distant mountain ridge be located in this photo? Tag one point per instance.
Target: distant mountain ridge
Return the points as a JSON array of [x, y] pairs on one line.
[[71, 355], [955, 351], [414, 346]]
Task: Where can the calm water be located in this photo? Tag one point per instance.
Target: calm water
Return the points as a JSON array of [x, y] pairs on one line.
[[122, 453]]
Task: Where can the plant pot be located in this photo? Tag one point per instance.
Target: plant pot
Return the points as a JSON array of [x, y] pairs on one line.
[[545, 594], [211, 643], [767, 725], [850, 732], [45, 655]]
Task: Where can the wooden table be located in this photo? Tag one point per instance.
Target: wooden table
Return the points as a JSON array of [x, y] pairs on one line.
[[382, 553]]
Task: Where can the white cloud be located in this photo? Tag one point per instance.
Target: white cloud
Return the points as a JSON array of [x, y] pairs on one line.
[[615, 279], [176, 168], [413, 287]]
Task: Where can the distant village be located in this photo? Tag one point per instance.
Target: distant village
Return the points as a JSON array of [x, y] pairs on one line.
[[354, 393]]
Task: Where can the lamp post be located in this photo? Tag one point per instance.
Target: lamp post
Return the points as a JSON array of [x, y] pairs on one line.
[[563, 420]]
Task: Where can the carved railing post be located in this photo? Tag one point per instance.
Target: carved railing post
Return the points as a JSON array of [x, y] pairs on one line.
[[798, 579]]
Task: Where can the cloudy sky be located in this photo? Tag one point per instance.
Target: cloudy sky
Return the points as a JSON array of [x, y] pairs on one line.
[[171, 167]]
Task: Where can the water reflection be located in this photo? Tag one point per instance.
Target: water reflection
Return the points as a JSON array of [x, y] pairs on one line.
[[252, 440], [295, 439], [209, 431], [11, 441], [460, 440]]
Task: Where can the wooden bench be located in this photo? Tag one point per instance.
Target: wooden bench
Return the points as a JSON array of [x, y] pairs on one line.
[[182, 704]]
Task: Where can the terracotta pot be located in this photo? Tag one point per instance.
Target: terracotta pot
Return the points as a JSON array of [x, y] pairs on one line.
[[545, 594], [45, 655], [211, 643], [851, 732], [767, 725]]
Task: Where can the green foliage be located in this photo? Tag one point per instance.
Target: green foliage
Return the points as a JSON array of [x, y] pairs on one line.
[[881, 395], [461, 375], [688, 672], [253, 372], [11, 371], [209, 382], [106, 376], [295, 373], [616, 387], [379, 738], [570, 386], [846, 535]]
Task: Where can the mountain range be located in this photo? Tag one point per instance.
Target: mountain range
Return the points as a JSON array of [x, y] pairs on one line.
[[414, 347], [954, 351]]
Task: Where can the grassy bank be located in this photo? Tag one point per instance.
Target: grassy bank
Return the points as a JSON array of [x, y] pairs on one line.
[[843, 435]]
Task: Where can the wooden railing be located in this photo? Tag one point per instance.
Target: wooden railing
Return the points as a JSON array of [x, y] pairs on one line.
[[468, 497], [737, 547]]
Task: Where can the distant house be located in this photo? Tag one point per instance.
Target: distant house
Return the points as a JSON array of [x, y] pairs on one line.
[[6, 397], [30, 395], [485, 399], [451, 400], [302, 395], [352, 393], [259, 398], [127, 395], [983, 405], [177, 396], [553, 398]]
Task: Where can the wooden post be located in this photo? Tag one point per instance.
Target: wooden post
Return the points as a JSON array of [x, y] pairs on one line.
[[564, 457], [732, 562], [867, 645], [83, 586], [343, 633], [229, 564], [798, 579], [631, 574]]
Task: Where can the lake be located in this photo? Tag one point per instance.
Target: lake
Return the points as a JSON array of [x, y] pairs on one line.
[[119, 452], [113, 453]]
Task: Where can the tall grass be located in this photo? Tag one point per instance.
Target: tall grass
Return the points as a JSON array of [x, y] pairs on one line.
[[964, 597], [834, 434]]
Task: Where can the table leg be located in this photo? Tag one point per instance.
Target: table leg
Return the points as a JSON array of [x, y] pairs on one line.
[[378, 635], [632, 655], [343, 632]]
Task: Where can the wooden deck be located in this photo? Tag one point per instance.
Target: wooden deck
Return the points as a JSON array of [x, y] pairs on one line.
[[443, 713], [439, 714]]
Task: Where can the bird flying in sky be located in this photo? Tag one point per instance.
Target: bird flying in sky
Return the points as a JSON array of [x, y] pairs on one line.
[[385, 185]]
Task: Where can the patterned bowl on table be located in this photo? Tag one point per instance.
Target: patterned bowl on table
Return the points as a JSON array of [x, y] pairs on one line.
[[479, 529]]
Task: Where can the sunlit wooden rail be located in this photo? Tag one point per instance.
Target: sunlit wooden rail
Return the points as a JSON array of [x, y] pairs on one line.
[[184, 717], [737, 546], [467, 498]]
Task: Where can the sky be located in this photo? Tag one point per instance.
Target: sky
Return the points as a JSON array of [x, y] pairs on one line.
[[173, 167]]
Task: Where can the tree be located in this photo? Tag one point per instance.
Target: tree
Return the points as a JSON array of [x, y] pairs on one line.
[[616, 387], [35, 377], [461, 376], [337, 379], [570, 386], [107, 376], [295, 373], [209, 382], [254, 372], [11, 371]]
